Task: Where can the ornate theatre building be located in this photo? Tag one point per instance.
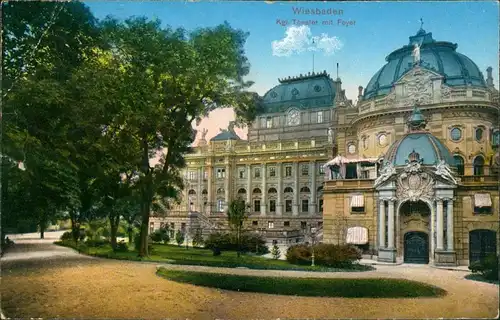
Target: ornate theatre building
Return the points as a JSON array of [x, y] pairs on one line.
[[409, 173]]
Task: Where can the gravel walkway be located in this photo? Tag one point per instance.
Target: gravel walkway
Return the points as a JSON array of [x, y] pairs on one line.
[[47, 281]]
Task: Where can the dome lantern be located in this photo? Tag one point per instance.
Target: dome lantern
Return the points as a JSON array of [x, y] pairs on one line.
[[417, 121]]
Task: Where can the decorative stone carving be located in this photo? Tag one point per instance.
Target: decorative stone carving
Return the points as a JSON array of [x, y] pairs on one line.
[[414, 184], [418, 87], [444, 171], [388, 170], [445, 92]]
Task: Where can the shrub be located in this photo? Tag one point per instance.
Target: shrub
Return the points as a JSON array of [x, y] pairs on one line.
[[160, 235], [330, 255], [121, 247], [276, 252], [179, 237], [198, 239], [487, 267], [96, 243], [68, 235], [248, 242]]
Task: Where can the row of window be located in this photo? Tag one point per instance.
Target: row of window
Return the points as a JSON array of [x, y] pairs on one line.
[[304, 205], [171, 227], [456, 135], [271, 224], [220, 173], [478, 165], [258, 191], [292, 119]]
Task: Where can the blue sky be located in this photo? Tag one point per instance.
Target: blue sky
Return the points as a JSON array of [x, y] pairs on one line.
[[360, 48]]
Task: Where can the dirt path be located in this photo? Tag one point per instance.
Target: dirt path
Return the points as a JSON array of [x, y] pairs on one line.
[[43, 280]]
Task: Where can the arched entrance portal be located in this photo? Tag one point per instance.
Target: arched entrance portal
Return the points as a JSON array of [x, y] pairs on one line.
[[416, 247], [481, 244], [414, 230]]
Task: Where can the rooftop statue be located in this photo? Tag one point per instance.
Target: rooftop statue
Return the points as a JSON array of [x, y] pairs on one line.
[[388, 170], [444, 171], [230, 127], [416, 53], [204, 133]]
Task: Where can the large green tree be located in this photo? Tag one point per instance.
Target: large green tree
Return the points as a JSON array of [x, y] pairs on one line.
[[237, 213], [171, 79]]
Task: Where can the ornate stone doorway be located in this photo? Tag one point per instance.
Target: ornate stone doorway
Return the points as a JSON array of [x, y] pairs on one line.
[[414, 230], [416, 247]]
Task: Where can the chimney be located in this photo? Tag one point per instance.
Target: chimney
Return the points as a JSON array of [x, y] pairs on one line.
[[489, 78], [360, 91]]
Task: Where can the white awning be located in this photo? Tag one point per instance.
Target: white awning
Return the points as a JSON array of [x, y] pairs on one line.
[[357, 201], [357, 235], [482, 200]]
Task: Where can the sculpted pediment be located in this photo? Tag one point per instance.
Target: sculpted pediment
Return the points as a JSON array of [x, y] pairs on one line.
[[414, 88]]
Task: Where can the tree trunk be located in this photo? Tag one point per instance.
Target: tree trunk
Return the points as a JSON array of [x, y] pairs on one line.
[[43, 225], [114, 220], [238, 241], [75, 228], [130, 233], [145, 211]]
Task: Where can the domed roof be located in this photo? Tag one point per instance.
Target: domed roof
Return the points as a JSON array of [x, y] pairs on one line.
[[418, 144], [226, 135], [438, 56], [303, 92]]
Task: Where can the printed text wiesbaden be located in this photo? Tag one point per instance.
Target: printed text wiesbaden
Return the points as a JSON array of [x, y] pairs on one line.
[[317, 11]]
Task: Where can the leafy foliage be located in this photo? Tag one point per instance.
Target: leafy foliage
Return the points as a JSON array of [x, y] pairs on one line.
[[487, 267], [160, 235], [228, 242], [276, 252], [198, 240], [330, 255], [179, 237]]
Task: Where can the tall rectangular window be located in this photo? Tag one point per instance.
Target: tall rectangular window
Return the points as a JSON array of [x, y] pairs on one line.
[[305, 205], [256, 173], [305, 170], [288, 205], [272, 205], [269, 122], [321, 169], [319, 118], [221, 173], [256, 205], [288, 171], [220, 205], [272, 172], [241, 173]]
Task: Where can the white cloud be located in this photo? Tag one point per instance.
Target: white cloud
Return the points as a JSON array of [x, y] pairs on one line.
[[299, 39]]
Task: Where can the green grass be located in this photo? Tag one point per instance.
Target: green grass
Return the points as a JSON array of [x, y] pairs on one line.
[[478, 277], [310, 287], [203, 257]]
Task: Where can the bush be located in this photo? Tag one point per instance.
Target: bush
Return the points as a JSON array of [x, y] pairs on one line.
[[228, 242], [330, 255], [276, 252], [121, 247], [160, 235], [68, 235], [179, 237], [487, 267], [96, 243], [198, 239]]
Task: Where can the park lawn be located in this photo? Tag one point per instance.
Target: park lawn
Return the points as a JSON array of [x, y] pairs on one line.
[[310, 287], [203, 257]]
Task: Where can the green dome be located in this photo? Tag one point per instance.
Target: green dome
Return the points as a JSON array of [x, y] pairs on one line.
[[429, 149], [438, 56], [314, 90]]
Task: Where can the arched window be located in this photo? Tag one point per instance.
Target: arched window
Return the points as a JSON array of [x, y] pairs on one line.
[[459, 162], [272, 190], [192, 192], [242, 191], [256, 190], [220, 191], [288, 190], [479, 134], [305, 190], [478, 166], [204, 191]]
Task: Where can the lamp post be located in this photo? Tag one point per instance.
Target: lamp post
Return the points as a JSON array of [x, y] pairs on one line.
[[313, 237]]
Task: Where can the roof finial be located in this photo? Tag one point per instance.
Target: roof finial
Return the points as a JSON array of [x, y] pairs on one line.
[[421, 23]]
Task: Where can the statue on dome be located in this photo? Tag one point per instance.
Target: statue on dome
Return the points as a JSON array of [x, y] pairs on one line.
[[416, 53], [444, 171]]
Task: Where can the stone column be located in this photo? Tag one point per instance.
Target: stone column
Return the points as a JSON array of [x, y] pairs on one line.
[[249, 185], [433, 230], [227, 185], [295, 204], [279, 205], [381, 224], [199, 189], [312, 173], [390, 231], [439, 225], [210, 200], [449, 225], [264, 191]]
